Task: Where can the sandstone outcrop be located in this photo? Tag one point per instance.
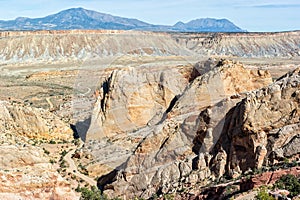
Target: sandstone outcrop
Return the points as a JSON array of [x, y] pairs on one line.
[[32, 123], [161, 154], [25, 173], [226, 79], [159, 125], [264, 123], [262, 129], [133, 98]]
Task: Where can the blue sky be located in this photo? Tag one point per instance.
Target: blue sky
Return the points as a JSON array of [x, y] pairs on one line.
[[252, 15]]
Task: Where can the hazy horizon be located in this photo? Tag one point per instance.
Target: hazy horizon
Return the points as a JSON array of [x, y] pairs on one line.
[[265, 16]]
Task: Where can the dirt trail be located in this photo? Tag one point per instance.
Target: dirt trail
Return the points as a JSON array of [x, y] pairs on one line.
[[49, 102], [73, 169]]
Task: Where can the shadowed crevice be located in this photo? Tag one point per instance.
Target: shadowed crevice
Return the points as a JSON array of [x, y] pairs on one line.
[[81, 128]]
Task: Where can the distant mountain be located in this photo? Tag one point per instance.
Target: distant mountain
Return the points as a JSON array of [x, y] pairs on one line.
[[79, 18], [208, 25]]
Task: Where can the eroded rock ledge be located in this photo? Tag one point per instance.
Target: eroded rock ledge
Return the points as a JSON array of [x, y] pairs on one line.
[[179, 148], [32, 123]]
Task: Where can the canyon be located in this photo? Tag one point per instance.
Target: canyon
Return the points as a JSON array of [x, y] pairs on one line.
[[144, 114]]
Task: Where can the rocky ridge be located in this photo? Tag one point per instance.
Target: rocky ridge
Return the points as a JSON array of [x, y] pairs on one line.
[[247, 45], [25, 173], [65, 46], [162, 154], [249, 137], [240, 133], [33, 47], [32, 123]]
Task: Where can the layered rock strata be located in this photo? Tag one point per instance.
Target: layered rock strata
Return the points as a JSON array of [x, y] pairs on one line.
[[157, 157]]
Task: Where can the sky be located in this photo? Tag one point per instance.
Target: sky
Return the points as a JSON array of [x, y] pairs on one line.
[[250, 15]]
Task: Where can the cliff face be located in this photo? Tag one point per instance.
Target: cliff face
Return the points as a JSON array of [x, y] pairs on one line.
[[264, 126], [247, 45], [133, 98], [259, 129], [156, 157], [63, 46], [227, 136]]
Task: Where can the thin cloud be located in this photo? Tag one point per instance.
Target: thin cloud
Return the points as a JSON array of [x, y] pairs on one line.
[[277, 6]]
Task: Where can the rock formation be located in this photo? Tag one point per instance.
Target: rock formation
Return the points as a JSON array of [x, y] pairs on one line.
[[261, 129], [265, 125], [160, 124], [133, 98], [25, 173], [163, 154], [32, 123], [226, 79], [248, 45], [78, 45], [32, 47]]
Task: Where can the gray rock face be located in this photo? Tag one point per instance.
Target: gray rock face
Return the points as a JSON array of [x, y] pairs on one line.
[[260, 113]]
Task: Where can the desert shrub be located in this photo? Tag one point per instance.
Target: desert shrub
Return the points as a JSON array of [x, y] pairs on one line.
[[46, 151], [90, 194], [52, 161], [168, 197], [63, 164], [289, 182], [63, 153], [263, 194], [52, 142]]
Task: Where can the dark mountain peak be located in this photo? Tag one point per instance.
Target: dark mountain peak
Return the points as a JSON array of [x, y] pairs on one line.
[[70, 12], [76, 9], [73, 10], [79, 12], [213, 25]]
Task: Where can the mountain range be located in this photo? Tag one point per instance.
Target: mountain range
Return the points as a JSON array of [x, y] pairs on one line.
[[80, 18]]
